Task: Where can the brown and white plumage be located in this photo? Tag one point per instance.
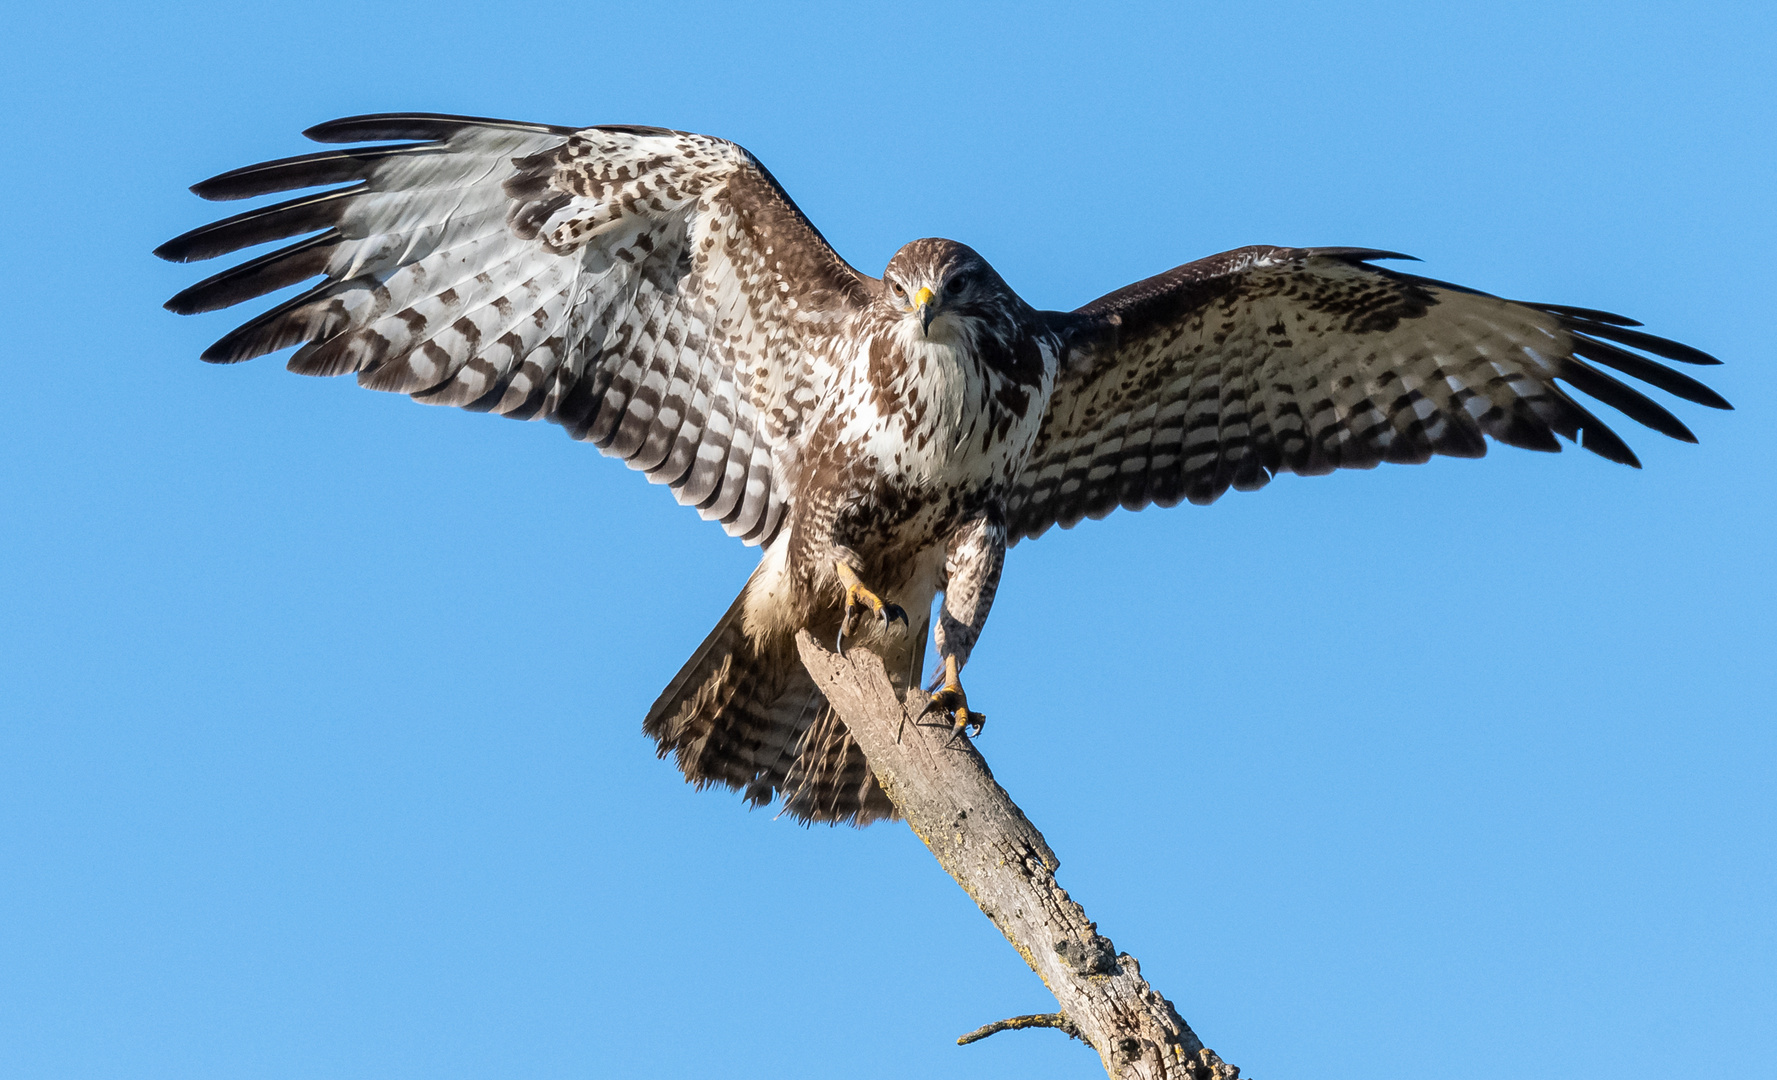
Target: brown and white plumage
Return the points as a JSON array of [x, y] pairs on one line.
[[630, 284], [1262, 360], [657, 294]]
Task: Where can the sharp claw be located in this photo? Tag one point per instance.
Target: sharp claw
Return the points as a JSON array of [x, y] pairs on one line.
[[959, 718], [844, 632], [960, 726], [856, 596]]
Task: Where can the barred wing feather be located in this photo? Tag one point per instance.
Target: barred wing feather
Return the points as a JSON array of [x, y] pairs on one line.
[[654, 292], [1223, 372]]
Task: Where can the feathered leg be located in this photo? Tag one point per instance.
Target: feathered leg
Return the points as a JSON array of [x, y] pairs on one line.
[[972, 563]]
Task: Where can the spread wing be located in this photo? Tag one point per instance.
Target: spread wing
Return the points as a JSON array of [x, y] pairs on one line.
[[1226, 371], [654, 292]]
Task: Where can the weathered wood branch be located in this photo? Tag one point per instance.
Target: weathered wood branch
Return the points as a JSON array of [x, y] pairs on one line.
[[945, 791], [1058, 1021]]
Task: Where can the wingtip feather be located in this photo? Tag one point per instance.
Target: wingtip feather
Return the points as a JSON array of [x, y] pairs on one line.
[[1364, 255], [1588, 314], [1665, 348], [430, 127], [222, 352], [1608, 445]]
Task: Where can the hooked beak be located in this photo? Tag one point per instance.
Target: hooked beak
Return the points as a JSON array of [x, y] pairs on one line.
[[922, 303]]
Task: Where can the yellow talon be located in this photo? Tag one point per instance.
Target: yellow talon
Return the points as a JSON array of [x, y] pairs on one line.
[[857, 596], [950, 700]]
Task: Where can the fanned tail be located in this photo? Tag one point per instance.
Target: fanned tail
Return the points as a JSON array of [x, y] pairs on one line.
[[743, 713]]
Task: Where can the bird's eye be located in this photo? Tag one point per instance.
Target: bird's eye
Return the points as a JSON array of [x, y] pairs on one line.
[[957, 284], [900, 292]]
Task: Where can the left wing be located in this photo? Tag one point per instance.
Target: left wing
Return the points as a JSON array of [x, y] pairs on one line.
[[1226, 371], [653, 292]]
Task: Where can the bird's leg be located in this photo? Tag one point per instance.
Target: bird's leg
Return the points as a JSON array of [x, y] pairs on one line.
[[975, 554], [950, 700], [856, 597]]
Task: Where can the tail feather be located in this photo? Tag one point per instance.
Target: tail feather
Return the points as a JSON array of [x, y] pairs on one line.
[[830, 780], [743, 713]]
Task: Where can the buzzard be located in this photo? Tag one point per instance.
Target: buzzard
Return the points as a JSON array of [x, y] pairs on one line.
[[657, 294]]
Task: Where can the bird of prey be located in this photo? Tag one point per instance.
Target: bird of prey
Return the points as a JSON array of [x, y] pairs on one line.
[[657, 294]]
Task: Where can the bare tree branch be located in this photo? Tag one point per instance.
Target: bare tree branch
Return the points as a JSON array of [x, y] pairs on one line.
[[1057, 1021], [945, 791]]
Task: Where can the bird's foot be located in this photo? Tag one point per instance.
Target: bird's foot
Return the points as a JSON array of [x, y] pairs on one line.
[[858, 598], [950, 700]]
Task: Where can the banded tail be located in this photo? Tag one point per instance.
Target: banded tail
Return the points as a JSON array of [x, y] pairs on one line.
[[743, 713]]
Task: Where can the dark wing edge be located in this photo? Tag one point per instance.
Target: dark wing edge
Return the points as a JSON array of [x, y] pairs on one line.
[[611, 279], [1224, 372]]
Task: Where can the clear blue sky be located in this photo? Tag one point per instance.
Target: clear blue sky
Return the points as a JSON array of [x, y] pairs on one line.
[[320, 750]]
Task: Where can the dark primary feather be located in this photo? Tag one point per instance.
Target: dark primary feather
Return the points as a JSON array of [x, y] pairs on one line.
[[377, 127], [298, 320], [1676, 383], [281, 221], [252, 279], [1624, 399], [1223, 372], [1589, 314], [306, 170], [1659, 346]]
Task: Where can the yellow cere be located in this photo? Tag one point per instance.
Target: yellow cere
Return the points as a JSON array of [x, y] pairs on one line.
[[922, 297]]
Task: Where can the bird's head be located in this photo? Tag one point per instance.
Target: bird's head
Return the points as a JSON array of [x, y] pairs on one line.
[[939, 283]]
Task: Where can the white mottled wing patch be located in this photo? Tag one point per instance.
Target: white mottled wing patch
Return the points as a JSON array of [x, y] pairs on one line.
[[653, 292]]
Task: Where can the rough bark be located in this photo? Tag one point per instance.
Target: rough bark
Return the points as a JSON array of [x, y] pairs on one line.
[[944, 790]]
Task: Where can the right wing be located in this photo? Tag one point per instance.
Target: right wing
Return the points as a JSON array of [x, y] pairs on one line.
[[1226, 371], [654, 292]]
